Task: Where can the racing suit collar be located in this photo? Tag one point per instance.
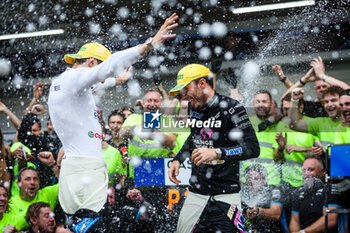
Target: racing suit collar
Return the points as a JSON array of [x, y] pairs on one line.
[[213, 101]]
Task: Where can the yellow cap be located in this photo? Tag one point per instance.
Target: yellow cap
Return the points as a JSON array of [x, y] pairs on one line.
[[95, 50], [188, 74]]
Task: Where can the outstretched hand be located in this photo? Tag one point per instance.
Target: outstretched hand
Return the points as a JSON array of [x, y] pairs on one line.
[[277, 70], [124, 76], [318, 66], [38, 90], [298, 94], [163, 33]]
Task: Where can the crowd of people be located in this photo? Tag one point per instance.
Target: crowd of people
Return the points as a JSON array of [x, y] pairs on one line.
[[258, 173]]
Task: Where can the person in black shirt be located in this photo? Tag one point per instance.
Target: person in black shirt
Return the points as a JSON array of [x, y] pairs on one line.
[[309, 200], [38, 142], [261, 203], [221, 136]]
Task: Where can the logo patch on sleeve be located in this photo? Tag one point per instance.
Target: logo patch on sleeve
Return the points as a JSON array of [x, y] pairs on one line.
[[236, 151]]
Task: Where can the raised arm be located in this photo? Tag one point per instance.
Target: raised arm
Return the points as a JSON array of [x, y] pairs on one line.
[[319, 68], [35, 142], [117, 62], [13, 118], [162, 35], [37, 93], [277, 70], [295, 122], [47, 158], [308, 77]]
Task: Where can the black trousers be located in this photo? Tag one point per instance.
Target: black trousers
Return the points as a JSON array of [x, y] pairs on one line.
[[214, 219]]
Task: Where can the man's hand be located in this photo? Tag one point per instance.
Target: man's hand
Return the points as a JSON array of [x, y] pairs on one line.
[[318, 66], [277, 70], [124, 76], [203, 155], [104, 145], [38, 90], [163, 33], [18, 153], [317, 151], [47, 158], [282, 141], [134, 195], [298, 94], [169, 141], [310, 76], [10, 229], [38, 109], [174, 172], [252, 213]]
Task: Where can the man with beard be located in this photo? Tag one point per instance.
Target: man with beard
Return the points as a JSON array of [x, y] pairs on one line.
[[264, 123], [308, 213], [344, 102], [261, 203], [215, 155], [325, 128], [41, 218]]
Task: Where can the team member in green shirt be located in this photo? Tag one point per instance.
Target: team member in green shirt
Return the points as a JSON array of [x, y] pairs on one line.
[[147, 143], [151, 143], [114, 162], [28, 181], [21, 155], [264, 123], [291, 146], [324, 128], [7, 217]]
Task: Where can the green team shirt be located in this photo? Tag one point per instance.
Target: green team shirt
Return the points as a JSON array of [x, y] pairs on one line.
[[343, 135], [9, 218], [19, 207], [266, 138], [114, 161], [140, 147], [295, 138], [324, 128]]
